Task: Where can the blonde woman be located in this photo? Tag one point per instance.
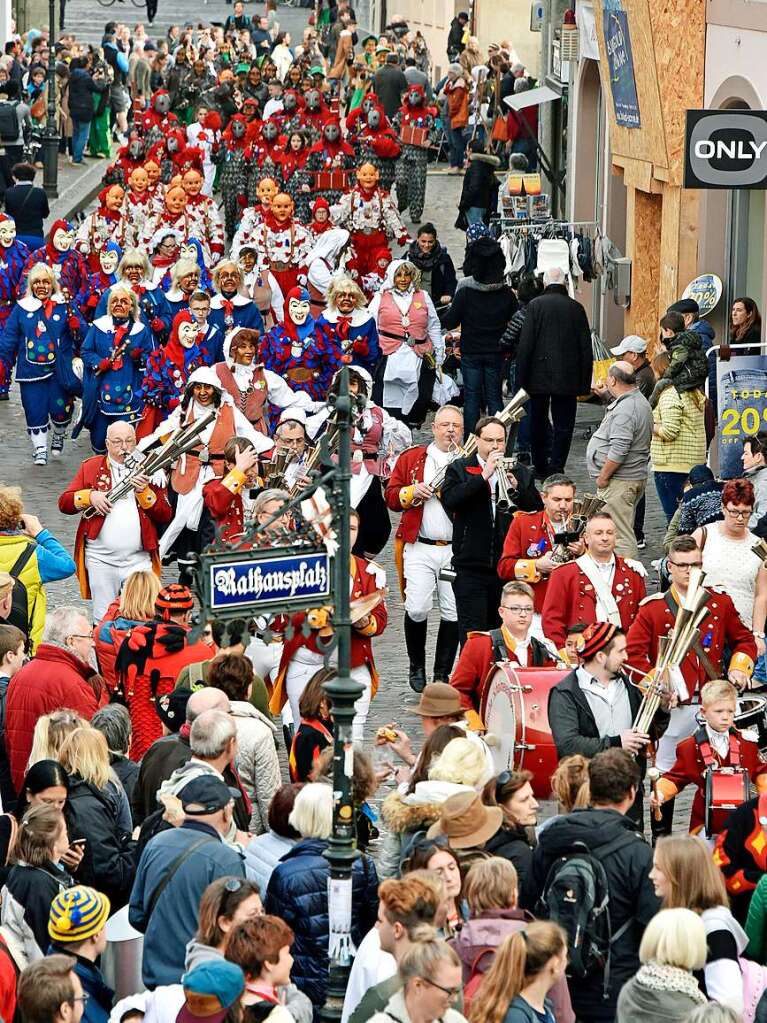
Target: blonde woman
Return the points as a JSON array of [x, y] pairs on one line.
[[430, 972], [525, 969], [40, 339], [134, 606], [112, 354], [51, 731], [664, 989], [99, 816]]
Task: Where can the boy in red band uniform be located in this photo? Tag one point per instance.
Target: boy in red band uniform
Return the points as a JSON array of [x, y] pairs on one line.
[[715, 744], [223, 497], [514, 642], [529, 541]]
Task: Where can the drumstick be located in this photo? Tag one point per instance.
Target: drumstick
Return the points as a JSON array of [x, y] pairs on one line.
[[653, 774]]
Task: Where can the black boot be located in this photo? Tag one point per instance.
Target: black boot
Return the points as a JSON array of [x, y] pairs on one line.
[[444, 656], [664, 826], [415, 642]]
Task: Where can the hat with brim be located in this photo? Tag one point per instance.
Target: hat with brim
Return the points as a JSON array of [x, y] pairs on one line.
[[632, 343], [438, 700], [466, 821]]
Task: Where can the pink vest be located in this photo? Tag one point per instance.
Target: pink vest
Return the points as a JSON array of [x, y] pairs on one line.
[[370, 445], [251, 402], [391, 329]]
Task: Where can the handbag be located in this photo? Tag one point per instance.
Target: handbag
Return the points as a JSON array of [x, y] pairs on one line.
[[500, 131], [37, 110]]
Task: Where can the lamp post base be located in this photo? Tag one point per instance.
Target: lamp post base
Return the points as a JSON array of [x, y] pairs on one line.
[[51, 164]]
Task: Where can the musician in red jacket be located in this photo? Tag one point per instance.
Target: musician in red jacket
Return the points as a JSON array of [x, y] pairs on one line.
[[715, 744], [514, 642], [120, 538], [529, 541], [422, 546], [722, 627], [223, 497], [599, 586], [302, 655]]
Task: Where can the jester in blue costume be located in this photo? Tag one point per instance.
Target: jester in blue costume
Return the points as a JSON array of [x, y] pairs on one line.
[[40, 337], [169, 368], [102, 279], [230, 307], [113, 354], [302, 351], [67, 263], [154, 311], [347, 314], [14, 254]]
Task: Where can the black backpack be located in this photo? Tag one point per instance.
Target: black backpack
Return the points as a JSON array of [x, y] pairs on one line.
[[9, 122], [21, 614], [577, 897]]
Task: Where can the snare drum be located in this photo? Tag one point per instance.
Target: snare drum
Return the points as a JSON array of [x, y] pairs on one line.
[[726, 789], [514, 708]]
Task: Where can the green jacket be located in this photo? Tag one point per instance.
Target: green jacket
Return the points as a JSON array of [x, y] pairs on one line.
[[756, 924]]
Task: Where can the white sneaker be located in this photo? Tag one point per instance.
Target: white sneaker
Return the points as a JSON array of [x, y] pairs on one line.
[[40, 457]]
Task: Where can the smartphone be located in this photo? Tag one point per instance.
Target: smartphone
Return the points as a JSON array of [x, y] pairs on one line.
[[80, 842]]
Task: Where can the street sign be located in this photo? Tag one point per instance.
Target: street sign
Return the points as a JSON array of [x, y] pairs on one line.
[[269, 581]]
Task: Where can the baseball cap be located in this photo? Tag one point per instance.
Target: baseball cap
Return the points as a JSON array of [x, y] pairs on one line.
[[206, 794], [632, 343], [210, 990]]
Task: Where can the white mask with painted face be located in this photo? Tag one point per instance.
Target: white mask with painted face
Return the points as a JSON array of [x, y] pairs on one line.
[[187, 334], [188, 252], [63, 240], [7, 233], [108, 261], [299, 311]]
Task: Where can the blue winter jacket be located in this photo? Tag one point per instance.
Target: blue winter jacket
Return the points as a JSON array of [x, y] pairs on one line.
[[298, 892], [169, 927], [41, 346]]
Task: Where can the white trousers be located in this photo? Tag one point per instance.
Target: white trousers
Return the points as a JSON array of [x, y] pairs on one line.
[[682, 724], [422, 564], [106, 578], [300, 670]]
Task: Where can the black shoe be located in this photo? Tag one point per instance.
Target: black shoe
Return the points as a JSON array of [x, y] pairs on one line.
[[4, 396], [417, 678]]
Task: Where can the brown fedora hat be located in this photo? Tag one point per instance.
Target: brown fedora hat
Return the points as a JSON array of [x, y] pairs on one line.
[[466, 821], [438, 700]]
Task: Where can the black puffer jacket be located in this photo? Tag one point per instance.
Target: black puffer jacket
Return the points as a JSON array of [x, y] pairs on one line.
[[480, 185], [554, 354], [512, 844], [109, 857], [631, 896], [298, 892], [25, 904]]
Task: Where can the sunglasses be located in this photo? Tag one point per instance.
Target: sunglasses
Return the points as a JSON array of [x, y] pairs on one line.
[[438, 842]]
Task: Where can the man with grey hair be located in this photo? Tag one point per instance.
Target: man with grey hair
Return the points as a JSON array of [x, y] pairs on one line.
[[618, 453], [61, 674], [178, 711], [213, 747], [113, 721], [120, 537], [554, 365]]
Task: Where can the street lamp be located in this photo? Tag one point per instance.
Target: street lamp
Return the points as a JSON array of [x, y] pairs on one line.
[[50, 135]]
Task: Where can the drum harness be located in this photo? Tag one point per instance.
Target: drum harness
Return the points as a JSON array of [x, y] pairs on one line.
[[501, 653]]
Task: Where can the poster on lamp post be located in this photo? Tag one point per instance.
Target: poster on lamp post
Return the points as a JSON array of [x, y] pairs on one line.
[[620, 63]]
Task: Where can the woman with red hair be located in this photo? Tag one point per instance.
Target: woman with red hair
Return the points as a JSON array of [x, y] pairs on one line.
[[731, 565]]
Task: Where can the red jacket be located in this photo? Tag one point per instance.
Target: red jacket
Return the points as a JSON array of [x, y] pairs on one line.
[[53, 679], [570, 598], [529, 537], [94, 474], [690, 769], [363, 584], [223, 499], [407, 470], [476, 660], [721, 627]]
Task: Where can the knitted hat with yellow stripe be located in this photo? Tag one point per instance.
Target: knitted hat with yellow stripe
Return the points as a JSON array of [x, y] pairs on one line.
[[77, 913]]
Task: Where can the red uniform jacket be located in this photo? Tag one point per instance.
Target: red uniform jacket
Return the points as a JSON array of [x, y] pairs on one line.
[[529, 537], [55, 678], [690, 769], [223, 499], [94, 474], [476, 660], [721, 627], [362, 647], [570, 598], [408, 469]]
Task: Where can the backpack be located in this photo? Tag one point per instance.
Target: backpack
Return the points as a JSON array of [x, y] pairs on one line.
[[577, 897], [21, 614], [476, 975], [9, 122]]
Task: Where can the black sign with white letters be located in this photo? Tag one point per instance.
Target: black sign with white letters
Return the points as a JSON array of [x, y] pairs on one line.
[[725, 149]]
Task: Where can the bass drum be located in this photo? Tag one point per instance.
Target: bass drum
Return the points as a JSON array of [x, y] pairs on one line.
[[515, 711]]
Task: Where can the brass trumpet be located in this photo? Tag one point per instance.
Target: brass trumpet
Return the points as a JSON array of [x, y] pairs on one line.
[[504, 468], [583, 508], [274, 469]]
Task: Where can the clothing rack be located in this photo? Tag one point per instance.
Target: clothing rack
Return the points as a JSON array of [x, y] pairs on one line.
[[544, 225]]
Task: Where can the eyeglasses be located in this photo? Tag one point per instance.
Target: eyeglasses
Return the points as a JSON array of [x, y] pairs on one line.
[[451, 992], [517, 609], [740, 515], [79, 635], [84, 998], [686, 564]]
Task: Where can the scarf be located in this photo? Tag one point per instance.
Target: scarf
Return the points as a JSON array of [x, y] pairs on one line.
[[660, 977], [425, 261]]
